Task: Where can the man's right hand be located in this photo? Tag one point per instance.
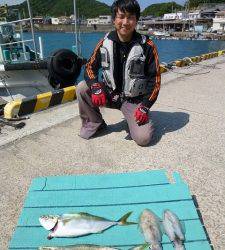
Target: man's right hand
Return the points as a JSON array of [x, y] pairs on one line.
[[98, 96]]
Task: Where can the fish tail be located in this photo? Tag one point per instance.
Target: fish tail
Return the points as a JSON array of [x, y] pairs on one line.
[[123, 220], [156, 247], [179, 246]]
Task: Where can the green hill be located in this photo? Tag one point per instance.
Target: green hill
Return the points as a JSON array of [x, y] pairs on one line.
[[161, 8], [93, 8], [86, 8], [196, 3]]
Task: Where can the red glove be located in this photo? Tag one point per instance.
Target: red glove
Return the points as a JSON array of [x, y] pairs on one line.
[[141, 115], [98, 96]]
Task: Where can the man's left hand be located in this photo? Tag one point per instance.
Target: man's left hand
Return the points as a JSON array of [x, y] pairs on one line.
[[141, 115]]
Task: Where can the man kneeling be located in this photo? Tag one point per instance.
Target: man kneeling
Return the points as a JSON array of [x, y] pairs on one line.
[[130, 76]]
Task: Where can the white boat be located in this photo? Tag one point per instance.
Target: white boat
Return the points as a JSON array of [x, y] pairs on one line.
[[161, 34], [25, 72]]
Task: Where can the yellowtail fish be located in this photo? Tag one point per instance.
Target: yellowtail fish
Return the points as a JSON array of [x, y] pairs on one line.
[[78, 224], [173, 229], [151, 228], [78, 247]]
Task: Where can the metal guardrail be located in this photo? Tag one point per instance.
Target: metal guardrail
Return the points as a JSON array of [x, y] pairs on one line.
[[16, 21], [24, 41], [30, 19]]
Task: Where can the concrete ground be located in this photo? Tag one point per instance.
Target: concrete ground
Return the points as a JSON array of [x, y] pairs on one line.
[[189, 137]]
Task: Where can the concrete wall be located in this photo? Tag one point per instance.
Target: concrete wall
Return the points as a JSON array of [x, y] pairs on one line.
[[70, 28]]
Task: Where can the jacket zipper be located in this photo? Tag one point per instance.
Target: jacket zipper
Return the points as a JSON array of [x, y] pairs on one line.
[[124, 67]]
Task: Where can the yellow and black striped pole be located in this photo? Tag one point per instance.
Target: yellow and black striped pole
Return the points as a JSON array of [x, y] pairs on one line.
[[40, 102]]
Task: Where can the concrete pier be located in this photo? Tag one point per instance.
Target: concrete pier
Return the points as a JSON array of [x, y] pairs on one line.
[[189, 137]]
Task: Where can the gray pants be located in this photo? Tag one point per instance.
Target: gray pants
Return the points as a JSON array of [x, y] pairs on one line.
[[92, 119]]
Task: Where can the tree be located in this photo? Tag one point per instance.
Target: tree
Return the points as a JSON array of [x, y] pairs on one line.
[[161, 8], [87, 8], [195, 3]]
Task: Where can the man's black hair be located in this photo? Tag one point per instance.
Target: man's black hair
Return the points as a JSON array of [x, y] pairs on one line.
[[131, 6]]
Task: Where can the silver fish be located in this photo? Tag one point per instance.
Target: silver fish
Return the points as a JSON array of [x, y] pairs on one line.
[[78, 247], [173, 229], [78, 224], [151, 228]]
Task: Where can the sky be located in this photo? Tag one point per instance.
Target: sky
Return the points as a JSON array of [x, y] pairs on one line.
[[143, 3]]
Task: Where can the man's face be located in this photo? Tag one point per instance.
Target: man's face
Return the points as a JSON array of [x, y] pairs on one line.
[[125, 23]]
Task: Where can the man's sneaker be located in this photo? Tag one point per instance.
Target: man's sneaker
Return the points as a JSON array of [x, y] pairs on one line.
[[89, 131]]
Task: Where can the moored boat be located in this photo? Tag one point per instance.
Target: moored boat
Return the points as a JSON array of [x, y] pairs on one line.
[[25, 71]]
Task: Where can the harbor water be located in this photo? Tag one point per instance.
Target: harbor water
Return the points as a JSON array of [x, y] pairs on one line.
[[169, 50]]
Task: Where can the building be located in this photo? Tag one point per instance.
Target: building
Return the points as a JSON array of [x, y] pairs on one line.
[[180, 15], [209, 13], [105, 20], [101, 20], [47, 20], [64, 20], [60, 20], [55, 20], [219, 21], [194, 15], [145, 18], [38, 20], [92, 21], [80, 20], [212, 6], [142, 22]]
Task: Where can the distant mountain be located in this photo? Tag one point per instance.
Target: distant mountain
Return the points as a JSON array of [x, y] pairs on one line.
[[55, 8], [161, 8]]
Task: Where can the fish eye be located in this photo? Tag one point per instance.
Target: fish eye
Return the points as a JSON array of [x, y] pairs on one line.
[[45, 217]]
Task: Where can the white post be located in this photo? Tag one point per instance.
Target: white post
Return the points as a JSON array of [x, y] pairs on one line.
[[75, 25], [41, 48], [32, 29], [21, 33]]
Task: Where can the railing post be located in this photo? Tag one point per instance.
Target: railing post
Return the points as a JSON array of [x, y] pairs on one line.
[[32, 29]]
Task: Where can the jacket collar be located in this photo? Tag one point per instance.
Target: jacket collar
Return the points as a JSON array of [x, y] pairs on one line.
[[114, 37]]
